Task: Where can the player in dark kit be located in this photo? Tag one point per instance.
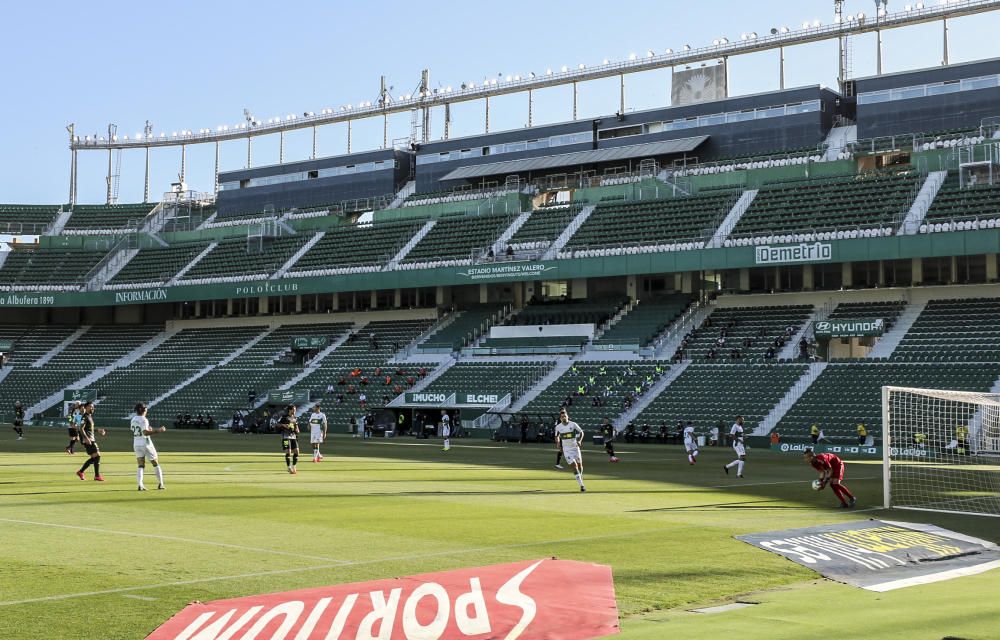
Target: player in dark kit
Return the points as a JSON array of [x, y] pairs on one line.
[[73, 423], [19, 420], [88, 433], [608, 433], [831, 470], [289, 427]]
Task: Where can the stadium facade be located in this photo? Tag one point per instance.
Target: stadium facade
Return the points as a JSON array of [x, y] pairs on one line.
[[655, 266]]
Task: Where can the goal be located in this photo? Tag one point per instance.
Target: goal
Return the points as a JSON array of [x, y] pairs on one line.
[[941, 450]]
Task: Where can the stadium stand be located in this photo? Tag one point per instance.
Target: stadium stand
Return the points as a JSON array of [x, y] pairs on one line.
[[241, 260], [869, 201], [649, 318], [468, 325], [105, 218], [166, 366], [543, 227], [845, 394], [33, 218], [367, 350], [593, 390], [260, 368], [953, 206], [47, 269], [546, 344], [454, 239], [706, 394], [751, 330], [494, 378], [436, 197], [658, 224], [365, 247], [544, 312], [97, 347], [954, 331], [157, 265]]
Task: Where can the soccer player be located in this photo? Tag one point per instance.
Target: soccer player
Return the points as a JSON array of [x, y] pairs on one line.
[[569, 435], [608, 432], [289, 428], [88, 438], [690, 443], [142, 445], [75, 421], [831, 470], [19, 420], [446, 430], [317, 431], [736, 433]]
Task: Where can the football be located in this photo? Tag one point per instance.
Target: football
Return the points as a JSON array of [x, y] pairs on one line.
[[817, 485]]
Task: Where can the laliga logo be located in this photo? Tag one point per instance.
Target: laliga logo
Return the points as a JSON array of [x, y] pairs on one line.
[[487, 602]]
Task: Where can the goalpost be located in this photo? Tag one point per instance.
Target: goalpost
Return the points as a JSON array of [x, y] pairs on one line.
[[941, 450]]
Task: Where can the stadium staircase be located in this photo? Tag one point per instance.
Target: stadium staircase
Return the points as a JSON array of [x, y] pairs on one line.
[[732, 218], [837, 140], [779, 410], [3, 257], [651, 394], [553, 251], [393, 263], [73, 337], [670, 340], [408, 189], [59, 223], [95, 375], [4, 372], [791, 349], [110, 265], [922, 203], [605, 326], [509, 232], [208, 368], [196, 260], [889, 341], [434, 330], [285, 268], [562, 365]]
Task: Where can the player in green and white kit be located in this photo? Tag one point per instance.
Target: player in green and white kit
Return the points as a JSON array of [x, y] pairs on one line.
[[317, 431], [142, 446], [569, 435]]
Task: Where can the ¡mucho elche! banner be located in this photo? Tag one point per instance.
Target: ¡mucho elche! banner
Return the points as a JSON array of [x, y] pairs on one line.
[[532, 600]]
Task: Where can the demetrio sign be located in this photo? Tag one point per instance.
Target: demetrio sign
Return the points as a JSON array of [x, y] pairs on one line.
[[531, 600], [792, 253]]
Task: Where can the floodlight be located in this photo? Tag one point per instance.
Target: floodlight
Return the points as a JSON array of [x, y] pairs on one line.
[[669, 51], [753, 35], [687, 47], [509, 78], [631, 56], [816, 23], [605, 61], [715, 42], [649, 53], [784, 29], [582, 66], [548, 72], [564, 69]]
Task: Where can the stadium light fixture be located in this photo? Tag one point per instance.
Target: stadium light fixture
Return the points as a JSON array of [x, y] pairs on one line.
[[605, 61], [715, 42], [669, 51], [631, 56], [649, 53], [531, 73], [509, 78], [564, 68], [687, 47], [816, 23], [548, 72], [582, 66], [784, 29]]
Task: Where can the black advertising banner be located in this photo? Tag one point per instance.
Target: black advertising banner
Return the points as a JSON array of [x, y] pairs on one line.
[[879, 555]]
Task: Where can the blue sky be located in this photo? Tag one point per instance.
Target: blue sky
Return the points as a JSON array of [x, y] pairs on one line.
[[188, 65]]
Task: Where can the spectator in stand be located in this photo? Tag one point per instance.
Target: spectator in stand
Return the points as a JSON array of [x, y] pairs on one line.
[[251, 398], [775, 438], [630, 433], [769, 354], [645, 434], [510, 252], [330, 389], [862, 433], [340, 398], [803, 348], [711, 354], [814, 433], [663, 433], [363, 400]]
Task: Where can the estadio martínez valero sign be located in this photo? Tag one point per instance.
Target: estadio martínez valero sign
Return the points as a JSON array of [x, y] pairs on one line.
[[532, 600]]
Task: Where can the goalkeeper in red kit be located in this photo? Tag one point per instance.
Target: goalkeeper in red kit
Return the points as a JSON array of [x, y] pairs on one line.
[[831, 471]]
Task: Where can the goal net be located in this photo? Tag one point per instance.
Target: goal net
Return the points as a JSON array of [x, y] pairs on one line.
[[941, 450]]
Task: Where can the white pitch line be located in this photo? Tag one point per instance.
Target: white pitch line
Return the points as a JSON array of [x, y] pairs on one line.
[[135, 597], [259, 574], [133, 534]]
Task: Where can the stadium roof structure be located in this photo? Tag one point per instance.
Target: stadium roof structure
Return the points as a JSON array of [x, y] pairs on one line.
[[647, 150]]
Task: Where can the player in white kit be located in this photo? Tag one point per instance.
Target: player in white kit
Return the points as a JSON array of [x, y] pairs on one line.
[[738, 446], [569, 435], [317, 431], [445, 430], [142, 445], [690, 443]]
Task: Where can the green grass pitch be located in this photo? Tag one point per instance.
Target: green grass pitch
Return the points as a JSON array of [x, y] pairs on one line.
[[91, 560]]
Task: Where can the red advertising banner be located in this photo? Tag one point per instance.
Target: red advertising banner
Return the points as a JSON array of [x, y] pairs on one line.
[[533, 600]]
